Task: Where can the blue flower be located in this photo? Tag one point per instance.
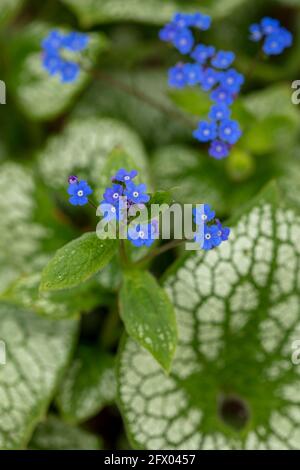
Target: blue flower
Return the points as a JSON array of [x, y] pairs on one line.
[[113, 194], [218, 112], [75, 42], [223, 232], [229, 131], [208, 237], [124, 175], [136, 193], [177, 78], [269, 25], [69, 72], [200, 21], [275, 43], [210, 78], [219, 149], [232, 81], [286, 37], [203, 214], [222, 96], [256, 33], [53, 42], [202, 53], [193, 74], [168, 32], [206, 131], [142, 234], [79, 193], [184, 41], [52, 63], [182, 20], [223, 59]]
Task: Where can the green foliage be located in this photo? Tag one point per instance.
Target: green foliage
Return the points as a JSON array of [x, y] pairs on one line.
[[238, 315], [77, 261], [88, 386], [148, 316], [37, 353], [54, 434]]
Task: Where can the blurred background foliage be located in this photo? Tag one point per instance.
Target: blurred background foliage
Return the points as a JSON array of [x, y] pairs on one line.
[[49, 130]]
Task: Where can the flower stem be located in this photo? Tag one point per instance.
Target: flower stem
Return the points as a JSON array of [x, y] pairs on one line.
[[116, 83], [158, 251]]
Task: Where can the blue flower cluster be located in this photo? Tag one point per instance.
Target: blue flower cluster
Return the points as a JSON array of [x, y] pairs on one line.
[[212, 71], [276, 38], [79, 191], [211, 232], [118, 201], [54, 63]]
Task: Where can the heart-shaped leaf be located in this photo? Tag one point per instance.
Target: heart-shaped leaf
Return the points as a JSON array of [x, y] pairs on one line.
[[233, 384], [88, 385], [36, 354]]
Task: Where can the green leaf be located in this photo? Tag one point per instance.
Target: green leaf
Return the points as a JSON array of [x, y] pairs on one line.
[[91, 139], [148, 316], [40, 96], [88, 386], [37, 353], [57, 304], [8, 9], [91, 12], [77, 261], [233, 384], [54, 434]]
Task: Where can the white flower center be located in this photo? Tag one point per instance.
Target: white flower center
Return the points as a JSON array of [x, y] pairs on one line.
[[115, 195], [230, 81], [210, 80], [227, 131], [206, 132], [204, 217], [80, 193], [141, 234], [135, 194], [126, 178], [219, 233], [219, 148], [222, 96], [183, 41], [208, 236], [219, 114], [113, 209]]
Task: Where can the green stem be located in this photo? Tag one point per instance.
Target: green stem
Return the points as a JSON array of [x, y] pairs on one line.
[[123, 254], [158, 251]]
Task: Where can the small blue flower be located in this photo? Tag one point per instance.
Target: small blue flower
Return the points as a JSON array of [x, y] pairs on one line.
[[256, 33], [69, 72], [223, 59], [200, 21], [168, 32], [208, 237], [223, 232], [136, 193], [184, 41], [142, 234], [229, 131], [52, 63], [269, 25], [286, 37], [222, 96], [113, 194], [218, 112], [53, 42], [182, 20], [232, 81], [177, 78], [219, 150], [75, 42], [79, 193], [193, 74], [275, 43], [202, 53], [210, 78], [124, 175], [206, 131], [203, 214]]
